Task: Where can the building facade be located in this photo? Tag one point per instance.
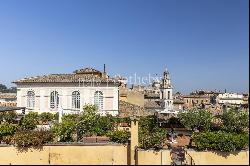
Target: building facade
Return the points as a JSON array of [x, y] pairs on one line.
[[69, 91], [8, 100], [230, 98]]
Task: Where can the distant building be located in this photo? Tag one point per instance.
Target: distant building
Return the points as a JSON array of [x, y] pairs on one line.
[[201, 99], [178, 102], [230, 98], [70, 91], [194, 100], [8, 100]]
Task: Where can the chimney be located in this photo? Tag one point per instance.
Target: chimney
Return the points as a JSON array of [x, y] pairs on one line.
[[104, 74]]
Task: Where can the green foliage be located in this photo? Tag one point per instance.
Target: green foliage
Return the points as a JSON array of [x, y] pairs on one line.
[[196, 118], [66, 129], [9, 116], [119, 136], [221, 141], [150, 134], [46, 117], [103, 124], [235, 120], [70, 117], [121, 120], [7, 129], [90, 123], [4, 89], [31, 138], [56, 116], [30, 121]]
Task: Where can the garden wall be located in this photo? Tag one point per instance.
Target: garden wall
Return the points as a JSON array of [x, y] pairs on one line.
[[151, 157], [63, 155], [219, 158]]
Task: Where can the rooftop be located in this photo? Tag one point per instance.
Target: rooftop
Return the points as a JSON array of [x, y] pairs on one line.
[[7, 95], [81, 75]]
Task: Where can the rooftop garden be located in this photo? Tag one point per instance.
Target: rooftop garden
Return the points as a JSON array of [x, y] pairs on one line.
[[226, 132]]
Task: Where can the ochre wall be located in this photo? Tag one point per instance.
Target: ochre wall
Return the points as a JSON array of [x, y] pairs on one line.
[[151, 157], [109, 155], [212, 158], [84, 155]]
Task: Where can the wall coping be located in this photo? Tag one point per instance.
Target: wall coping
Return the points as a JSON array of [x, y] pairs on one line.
[[214, 151], [160, 150], [73, 144]]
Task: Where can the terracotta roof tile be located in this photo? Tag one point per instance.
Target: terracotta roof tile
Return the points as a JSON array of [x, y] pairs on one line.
[[82, 75]]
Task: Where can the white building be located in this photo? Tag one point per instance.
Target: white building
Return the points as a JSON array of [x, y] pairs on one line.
[[70, 91], [230, 98]]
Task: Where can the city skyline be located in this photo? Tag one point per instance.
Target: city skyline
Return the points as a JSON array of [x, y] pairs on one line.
[[204, 44]]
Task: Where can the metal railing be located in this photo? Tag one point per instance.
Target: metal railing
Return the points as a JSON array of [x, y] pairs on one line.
[[188, 159]]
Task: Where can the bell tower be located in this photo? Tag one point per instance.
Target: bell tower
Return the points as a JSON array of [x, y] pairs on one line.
[[167, 91]]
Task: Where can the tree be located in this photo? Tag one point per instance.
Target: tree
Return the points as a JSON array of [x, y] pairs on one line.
[[2, 88], [87, 121], [221, 141], [196, 118], [234, 120], [150, 134]]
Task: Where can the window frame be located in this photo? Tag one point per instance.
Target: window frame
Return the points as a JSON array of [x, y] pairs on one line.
[[76, 100], [31, 99], [99, 100], [54, 95]]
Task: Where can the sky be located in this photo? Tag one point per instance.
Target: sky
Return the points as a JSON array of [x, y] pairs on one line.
[[203, 43]]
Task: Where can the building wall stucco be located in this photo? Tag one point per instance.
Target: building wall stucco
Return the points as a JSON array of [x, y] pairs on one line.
[[43, 91], [212, 158]]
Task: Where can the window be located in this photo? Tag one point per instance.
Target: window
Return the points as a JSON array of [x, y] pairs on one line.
[[168, 94], [30, 99], [76, 100], [54, 99], [98, 99]]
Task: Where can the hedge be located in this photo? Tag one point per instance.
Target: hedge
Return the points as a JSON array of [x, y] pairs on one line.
[[220, 141]]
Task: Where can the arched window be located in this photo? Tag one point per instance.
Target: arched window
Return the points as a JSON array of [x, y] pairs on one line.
[[76, 100], [30, 99], [54, 99], [98, 99], [168, 94]]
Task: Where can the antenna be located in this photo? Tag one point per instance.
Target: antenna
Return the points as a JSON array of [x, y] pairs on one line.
[[104, 68]]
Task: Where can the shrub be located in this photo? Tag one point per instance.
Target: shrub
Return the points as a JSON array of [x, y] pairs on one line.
[[46, 117], [65, 130], [9, 116], [30, 121], [7, 129], [56, 116], [150, 135], [31, 138], [220, 140], [119, 136]]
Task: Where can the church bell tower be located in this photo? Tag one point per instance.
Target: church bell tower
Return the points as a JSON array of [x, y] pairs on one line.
[[167, 92]]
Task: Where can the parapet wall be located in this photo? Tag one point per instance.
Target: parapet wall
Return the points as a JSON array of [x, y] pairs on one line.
[[66, 155], [219, 158]]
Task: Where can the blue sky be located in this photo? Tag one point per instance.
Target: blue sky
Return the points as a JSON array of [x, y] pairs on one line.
[[203, 43]]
